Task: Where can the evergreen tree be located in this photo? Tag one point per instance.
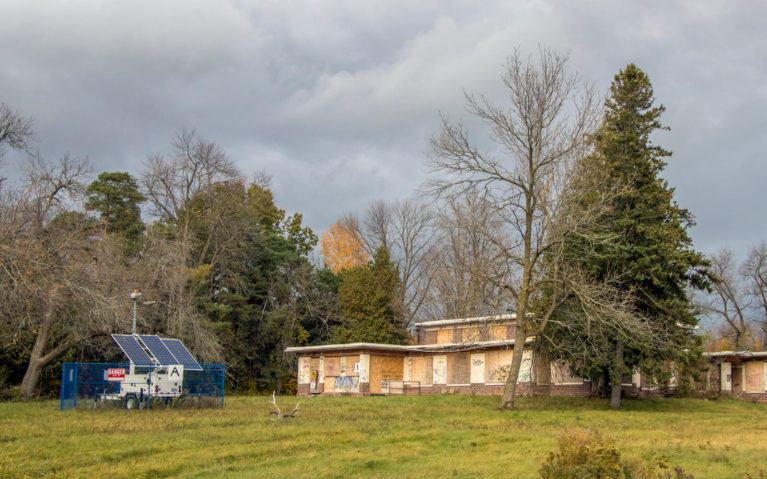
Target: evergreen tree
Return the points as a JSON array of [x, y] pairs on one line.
[[371, 305], [649, 249], [116, 197]]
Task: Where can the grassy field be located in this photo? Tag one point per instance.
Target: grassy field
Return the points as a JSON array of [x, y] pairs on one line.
[[427, 436]]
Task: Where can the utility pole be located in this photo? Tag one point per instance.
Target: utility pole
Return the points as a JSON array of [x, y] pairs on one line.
[[134, 296]]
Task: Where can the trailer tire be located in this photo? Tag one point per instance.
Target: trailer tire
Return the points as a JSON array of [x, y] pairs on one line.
[[131, 401]]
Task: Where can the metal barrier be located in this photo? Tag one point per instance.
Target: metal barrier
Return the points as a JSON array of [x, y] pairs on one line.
[[98, 385], [395, 387]]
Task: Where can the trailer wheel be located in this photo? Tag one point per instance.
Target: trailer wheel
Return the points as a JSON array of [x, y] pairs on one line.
[[131, 401]]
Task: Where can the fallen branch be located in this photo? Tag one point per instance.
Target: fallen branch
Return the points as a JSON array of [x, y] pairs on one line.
[[278, 413]]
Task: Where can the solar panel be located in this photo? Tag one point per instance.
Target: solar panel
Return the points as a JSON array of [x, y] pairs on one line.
[[158, 349], [182, 354], [131, 347]]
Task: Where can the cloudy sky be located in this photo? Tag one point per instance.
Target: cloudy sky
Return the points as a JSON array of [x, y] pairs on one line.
[[337, 99]]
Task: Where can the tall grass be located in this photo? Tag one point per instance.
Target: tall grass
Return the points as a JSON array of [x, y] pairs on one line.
[[427, 436]]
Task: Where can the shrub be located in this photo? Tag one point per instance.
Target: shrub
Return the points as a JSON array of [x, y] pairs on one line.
[[590, 455]]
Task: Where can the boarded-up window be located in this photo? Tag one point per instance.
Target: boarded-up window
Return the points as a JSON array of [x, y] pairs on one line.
[[444, 336], [497, 365], [383, 367], [497, 333], [560, 374], [458, 368], [471, 335], [430, 337], [331, 366], [754, 376], [421, 370], [304, 370], [476, 334]]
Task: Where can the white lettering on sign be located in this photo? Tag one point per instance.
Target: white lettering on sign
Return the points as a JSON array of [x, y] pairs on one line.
[[115, 374]]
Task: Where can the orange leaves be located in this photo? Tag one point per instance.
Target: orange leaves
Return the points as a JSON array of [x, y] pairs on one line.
[[342, 248]]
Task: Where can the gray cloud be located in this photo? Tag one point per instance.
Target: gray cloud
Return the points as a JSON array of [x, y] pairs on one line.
[[337, 99]]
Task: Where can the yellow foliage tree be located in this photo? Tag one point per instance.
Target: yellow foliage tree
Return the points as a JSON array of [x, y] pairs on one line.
[[342, 248]]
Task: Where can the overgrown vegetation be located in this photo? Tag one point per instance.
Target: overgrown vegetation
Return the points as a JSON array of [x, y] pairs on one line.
[[426, 436]]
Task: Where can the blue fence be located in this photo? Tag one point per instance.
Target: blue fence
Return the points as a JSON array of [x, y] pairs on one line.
[[88, 386]]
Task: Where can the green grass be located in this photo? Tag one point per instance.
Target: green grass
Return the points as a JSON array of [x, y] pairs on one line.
[[427, 436]]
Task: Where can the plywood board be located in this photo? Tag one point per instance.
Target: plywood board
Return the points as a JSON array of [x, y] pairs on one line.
[[497, 333], [725, 377], [560, 374], [497, 365], [384, 367], [329, 380], [525, 370], [444, 336], [351, 368], [439, 368], [477, 368], [754, 376], [364, 368], [346, 384], [304, 370], [331, 366], [422, 370]]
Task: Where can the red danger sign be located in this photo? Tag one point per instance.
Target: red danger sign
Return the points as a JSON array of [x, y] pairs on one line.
[[115, 374]]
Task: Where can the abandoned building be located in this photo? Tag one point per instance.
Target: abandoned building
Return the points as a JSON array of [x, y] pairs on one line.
[[468, 355], [472, 356], [742, 374]]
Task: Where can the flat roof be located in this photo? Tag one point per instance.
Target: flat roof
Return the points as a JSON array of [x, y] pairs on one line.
[[479, 319], [748, 354], [397, 347]]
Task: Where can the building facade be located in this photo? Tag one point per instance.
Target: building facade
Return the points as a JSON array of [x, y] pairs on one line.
[[459, 356], [741, 374]]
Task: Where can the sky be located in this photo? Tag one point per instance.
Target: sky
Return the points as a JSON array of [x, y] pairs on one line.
[[337, 100]]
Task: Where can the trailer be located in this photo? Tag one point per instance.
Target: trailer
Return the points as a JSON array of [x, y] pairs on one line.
[[156, 370]]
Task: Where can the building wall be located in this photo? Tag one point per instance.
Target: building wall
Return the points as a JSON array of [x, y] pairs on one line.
[[467, 334], [459, 372]]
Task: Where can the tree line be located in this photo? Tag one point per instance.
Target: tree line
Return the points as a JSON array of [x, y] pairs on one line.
[[560, 215]]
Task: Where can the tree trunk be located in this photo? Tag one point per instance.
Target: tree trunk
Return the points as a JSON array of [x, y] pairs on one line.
[[31, 376], [36, 359], [617, 377], [509, 391], [39, 358]]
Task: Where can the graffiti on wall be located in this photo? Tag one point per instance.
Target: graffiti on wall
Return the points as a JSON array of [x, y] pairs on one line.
[[348, 384]]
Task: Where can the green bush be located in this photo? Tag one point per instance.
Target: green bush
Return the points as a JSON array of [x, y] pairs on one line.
[[590, 455]]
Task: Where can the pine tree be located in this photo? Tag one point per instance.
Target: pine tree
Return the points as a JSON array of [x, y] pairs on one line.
[[650, 250], [371, 303], [116, 197]]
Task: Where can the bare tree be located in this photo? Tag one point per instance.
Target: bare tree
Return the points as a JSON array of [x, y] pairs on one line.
[[405, 228], [755, 272], [15, 130], [60, 279], [195, 166], [729, 301], [538, 138], [466, 266]]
